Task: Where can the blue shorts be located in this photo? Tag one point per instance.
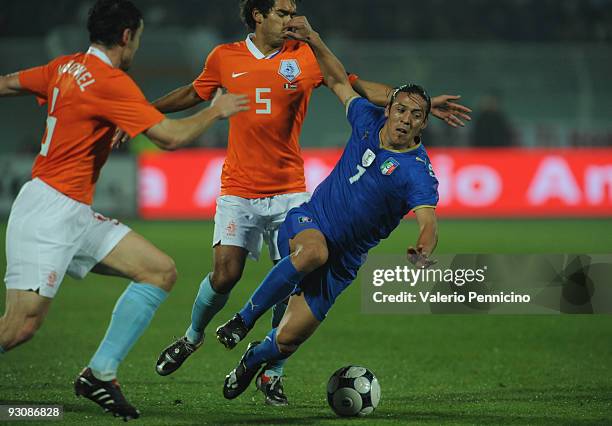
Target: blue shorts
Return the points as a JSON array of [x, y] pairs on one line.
[[322, 286]]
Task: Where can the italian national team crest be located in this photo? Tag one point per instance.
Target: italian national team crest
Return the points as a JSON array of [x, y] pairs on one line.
[[290, 69], [389, 166]]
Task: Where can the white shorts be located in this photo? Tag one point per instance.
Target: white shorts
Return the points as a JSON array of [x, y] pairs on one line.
[[50, 234], [246, 222]]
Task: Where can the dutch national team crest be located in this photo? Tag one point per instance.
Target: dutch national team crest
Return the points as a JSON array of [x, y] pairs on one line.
[[368, 158], [389, 166], [290, 69]]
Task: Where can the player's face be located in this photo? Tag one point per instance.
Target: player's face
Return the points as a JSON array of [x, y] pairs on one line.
[[272, 25], [406, 119], [131, 47]]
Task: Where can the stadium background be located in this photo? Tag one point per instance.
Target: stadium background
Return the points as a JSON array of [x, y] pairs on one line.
[[536, 73]]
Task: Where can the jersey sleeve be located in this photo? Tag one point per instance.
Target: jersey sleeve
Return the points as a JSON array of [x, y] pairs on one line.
[[36, 80], [420, 185], [210, 79], [362, 113], [317, 74], [319, 79], [421, 189], [126, 107]]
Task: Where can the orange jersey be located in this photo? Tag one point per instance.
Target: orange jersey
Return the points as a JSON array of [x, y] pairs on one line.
[[263, 154], [86, 99]]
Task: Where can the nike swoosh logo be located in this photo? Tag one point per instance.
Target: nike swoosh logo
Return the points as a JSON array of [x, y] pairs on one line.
[[238, 74]]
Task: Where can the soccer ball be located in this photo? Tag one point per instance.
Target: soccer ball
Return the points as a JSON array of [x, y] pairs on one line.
[[353, 391]]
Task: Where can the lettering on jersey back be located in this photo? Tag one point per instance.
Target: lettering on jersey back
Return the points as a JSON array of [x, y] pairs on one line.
[[79, 72]]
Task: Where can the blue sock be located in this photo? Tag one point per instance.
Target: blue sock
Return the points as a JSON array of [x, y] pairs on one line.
[[275, 368], [276, 287], [132, 314], [2, 350], [206, 305], [266, 351], [277, 313]]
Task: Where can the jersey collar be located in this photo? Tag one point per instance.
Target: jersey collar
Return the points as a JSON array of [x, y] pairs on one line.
[[100, 55], [256, 52]]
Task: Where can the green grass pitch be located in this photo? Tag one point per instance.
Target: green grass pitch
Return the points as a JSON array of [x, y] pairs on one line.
[[432, 369]]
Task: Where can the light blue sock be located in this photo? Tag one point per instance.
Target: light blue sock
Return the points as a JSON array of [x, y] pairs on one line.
[[132, 314], [275, 368], [276, 287], [266, 351], [2, 350], [206, 305]]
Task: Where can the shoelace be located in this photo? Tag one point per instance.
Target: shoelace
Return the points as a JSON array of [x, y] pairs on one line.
[[191, 348], [276, 381]]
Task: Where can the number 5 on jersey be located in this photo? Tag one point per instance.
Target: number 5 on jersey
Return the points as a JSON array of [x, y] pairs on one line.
[[266, 102], [51, 122]]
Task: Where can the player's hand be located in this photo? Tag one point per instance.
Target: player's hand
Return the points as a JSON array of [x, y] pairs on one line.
[[298, 29], [229, 104], [418, 258], [119, 138], [446, 109]]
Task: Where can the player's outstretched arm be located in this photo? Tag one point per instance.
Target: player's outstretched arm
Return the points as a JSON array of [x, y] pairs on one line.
[[377, 93], [178, 100], [333, 70], [428, 238], [446, 108], [10, 86], [443, 107], [173, 134]]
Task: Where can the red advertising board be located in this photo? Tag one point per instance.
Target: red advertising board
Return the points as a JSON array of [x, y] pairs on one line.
[[510, 182]]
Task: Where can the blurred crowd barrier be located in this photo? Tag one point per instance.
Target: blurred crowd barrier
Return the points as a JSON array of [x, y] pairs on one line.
[[116, 191], [523, 94], [474, 182]]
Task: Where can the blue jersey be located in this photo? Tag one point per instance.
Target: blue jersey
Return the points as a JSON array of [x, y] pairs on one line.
[[371, 189]]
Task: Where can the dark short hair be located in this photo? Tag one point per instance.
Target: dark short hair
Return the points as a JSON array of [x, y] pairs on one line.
[[248, 6], [108, 19], [412, 89]]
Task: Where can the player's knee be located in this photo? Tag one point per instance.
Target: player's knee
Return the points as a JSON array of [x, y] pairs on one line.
[[224, 278], [26, 331], [314, 256], [163, 274], [8, 334], [169, 274]]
